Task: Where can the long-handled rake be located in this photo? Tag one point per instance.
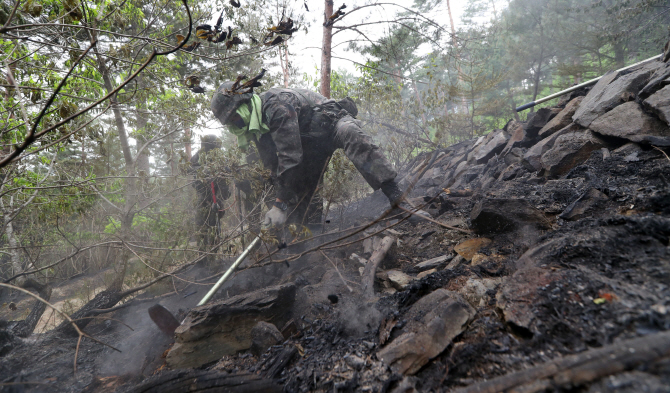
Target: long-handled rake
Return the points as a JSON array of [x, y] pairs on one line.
[[167, 322]]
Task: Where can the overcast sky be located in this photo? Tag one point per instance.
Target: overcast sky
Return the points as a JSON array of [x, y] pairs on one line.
[[306, 47]]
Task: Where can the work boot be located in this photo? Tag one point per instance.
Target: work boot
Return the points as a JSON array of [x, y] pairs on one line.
[[394, 195]]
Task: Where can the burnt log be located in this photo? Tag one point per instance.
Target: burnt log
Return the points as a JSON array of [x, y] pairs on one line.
[[224, 327], [8, 339], [26, 327], [82, 317], [205, 381], [575, 370]]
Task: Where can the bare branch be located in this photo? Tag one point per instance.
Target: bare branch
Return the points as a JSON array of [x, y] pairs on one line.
[[11, 16], [59, 261]]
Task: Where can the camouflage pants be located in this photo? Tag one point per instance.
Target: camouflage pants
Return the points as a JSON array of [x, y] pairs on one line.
[[206, 220], [317, 149], [363, 153]]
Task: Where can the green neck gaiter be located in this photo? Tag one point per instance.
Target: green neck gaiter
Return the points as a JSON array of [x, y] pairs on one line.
[[252, 115]]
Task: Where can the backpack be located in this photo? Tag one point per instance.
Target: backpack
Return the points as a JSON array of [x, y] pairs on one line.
[[325, 116]]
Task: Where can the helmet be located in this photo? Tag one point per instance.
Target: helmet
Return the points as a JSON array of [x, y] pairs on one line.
[[225, 101], [210, 142]]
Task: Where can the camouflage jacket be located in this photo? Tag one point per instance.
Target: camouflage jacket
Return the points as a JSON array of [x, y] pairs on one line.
[[288, 114]]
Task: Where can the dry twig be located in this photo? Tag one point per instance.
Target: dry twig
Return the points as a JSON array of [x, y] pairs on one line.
[[661, 150], [435, 221], [337, 270]]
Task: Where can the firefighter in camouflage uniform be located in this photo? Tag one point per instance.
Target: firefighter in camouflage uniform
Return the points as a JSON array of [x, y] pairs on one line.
[[211, 191], [295, 132]]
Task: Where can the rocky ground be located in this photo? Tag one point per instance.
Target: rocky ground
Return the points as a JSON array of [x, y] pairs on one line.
[[546, 268]]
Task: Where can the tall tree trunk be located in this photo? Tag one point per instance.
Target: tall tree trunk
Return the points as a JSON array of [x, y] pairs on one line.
[[283, 60], [397, 77], [619, 54], [14, 255], [172, 157], [578, 75], [451, 21], [472, 117], [510, 95], [326, 50], [130, 192], [418, 99], [454, 44], [141, 120], [83, 154], [538, 74], [142, 158], [536, 88], [187, 145], [446, 107]]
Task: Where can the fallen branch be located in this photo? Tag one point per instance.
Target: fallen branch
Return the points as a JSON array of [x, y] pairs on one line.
[[574, 370], [435, 221], [134, 302], [374, 261]]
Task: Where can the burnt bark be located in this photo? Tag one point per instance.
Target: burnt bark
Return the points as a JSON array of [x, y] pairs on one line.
[[105, 299], [280, 362], [574, 370], [26, 327], [454, 44], [224, 327]]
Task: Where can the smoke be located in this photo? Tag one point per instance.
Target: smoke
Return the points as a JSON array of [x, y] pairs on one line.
[[359, 317], [142, 347]]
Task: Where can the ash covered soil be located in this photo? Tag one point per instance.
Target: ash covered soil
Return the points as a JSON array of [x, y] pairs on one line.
[[525, 267]]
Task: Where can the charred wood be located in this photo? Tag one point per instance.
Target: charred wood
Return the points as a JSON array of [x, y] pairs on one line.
[[581, 368], [224, 327], [280, 362], [25, 328], [105, 299]]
